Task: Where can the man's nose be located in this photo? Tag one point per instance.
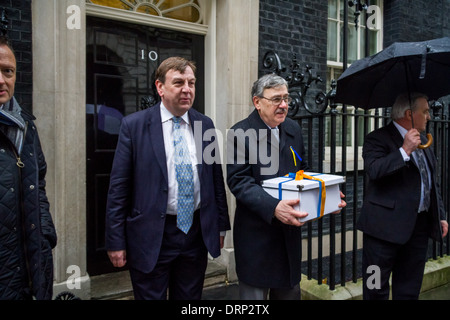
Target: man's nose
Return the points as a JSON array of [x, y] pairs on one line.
[[186, 87], [283, 104]]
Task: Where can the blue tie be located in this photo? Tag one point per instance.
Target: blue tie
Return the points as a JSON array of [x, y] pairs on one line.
[[185, 178]]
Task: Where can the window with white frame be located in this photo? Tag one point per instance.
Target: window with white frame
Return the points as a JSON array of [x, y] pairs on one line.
[[370, 34]]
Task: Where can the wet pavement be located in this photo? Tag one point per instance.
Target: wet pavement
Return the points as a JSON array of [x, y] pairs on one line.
[[223, 292], [440, 293], [231, 292]]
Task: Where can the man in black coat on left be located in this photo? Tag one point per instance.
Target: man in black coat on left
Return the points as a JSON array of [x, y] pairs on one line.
[[27, 233]]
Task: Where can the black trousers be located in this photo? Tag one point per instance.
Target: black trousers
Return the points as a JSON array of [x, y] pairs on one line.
[[406, 263], [180, 271]]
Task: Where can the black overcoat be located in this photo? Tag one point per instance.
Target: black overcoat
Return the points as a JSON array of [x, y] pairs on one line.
[[268, 253]]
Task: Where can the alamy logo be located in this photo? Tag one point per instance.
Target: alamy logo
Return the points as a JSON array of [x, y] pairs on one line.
[[250, 146], [374, 17], [73, 22], [73, 281], [374, 280]]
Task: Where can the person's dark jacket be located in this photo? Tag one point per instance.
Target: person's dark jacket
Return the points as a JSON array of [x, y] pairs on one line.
[[137, 197], [268, 253], [27, 233], [392, 195]]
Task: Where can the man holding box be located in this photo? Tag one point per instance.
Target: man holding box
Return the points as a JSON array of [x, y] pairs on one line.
[[267, 237]]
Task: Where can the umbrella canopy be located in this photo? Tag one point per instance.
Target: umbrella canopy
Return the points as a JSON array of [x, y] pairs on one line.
[[402, 67]]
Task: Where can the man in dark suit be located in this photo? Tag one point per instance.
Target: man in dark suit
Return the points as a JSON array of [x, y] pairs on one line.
[[267, 237], [154, 184], [401, 209]]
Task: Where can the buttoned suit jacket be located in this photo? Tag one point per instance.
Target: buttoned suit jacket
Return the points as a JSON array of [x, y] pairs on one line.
[[267, 252], [393, 189], [138, 192]]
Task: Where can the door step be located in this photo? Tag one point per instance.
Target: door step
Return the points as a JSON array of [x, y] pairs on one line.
[[117, 285]]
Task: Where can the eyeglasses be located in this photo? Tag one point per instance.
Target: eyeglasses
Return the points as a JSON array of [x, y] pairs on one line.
[[277, 100]]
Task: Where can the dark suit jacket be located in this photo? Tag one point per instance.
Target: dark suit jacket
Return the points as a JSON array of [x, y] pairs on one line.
[[267, 252], [138, 192], [392, 193]]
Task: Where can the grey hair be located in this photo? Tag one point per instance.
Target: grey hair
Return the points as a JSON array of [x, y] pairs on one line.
[[404, 102], [267, 81]]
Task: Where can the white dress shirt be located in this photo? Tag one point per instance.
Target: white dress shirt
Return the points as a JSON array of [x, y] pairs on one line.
[[167, 126]]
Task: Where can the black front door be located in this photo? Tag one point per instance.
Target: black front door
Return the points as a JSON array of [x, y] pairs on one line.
[[121, 62]]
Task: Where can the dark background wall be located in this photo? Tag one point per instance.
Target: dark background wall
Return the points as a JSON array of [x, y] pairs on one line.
[[292, 27], [415, 20], [19, 31]]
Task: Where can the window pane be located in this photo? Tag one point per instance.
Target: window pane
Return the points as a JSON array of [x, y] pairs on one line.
[[350, 10], [332, 9], [352, 43], [338, 134], [112, 3], [373, 42], [362, 43], [332, 41]]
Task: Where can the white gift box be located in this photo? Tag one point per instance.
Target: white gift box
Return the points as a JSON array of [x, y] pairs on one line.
[[308, 192]]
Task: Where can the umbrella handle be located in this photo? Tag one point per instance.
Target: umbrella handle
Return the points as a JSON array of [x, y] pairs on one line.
[[426, 145]]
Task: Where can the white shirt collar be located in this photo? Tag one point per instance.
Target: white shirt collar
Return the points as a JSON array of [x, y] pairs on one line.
[[400, 129], [166, 115]]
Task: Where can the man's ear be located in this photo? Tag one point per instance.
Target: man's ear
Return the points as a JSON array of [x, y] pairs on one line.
[[159, 85], [256, 101], [408, 114]]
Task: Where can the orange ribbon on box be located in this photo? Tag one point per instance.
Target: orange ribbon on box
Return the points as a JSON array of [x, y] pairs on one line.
[[300, 175]]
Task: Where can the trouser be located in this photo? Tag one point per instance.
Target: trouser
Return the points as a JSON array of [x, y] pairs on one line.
[[180, 269], [406, 263]]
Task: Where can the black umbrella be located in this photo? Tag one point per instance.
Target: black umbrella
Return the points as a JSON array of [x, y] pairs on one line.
[[376, 81]]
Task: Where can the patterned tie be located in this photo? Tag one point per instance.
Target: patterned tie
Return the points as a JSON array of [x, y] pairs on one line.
[[425, 182], [185, 178]]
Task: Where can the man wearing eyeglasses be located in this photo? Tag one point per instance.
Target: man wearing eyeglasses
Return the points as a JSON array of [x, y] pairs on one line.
[[267, 237]]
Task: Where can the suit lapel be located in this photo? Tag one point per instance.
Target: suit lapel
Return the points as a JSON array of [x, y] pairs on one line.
[[262, 130], [157, 139], [285, 136]]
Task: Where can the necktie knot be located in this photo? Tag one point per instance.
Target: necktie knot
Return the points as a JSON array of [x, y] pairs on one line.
[[176, 122], [176, 119]]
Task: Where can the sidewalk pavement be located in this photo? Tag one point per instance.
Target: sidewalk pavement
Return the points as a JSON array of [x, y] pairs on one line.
[[231, 292]]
